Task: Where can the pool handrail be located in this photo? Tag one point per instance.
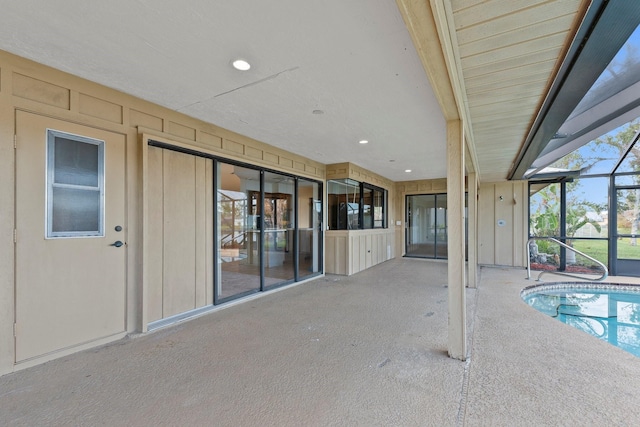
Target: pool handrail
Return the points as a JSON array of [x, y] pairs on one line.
[[561, 273]]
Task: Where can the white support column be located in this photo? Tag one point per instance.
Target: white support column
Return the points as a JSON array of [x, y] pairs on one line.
[[457, 345], [472, 209]]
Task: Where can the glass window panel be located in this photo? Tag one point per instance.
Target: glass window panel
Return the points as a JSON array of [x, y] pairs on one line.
[[343, 196], [367, 208], [379, 218], [630, 164], [544, 211], [544, 255], [631, 161], [75, 182], [603, 109], [75, 211], [595, 248], [628, 207], [587, 207], [76, 162], [309, 228], [622, 72], [238, 231], [629, 248], [600, 155], [624, 180]]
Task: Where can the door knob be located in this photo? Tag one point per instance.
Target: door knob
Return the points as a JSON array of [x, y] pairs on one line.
[[117, 243]]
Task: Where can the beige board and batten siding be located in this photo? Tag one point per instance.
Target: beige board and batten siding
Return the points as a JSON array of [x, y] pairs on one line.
[[58, 96], [351, 251], [179, 250], [502, 223]]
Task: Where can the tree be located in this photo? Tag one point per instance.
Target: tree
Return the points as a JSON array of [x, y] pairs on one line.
[[619, 141]]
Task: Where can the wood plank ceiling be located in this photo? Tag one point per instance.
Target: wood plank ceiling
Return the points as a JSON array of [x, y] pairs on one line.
[[509, 52]]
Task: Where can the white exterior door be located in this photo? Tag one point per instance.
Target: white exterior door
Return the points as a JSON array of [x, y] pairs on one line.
[[70, 236]]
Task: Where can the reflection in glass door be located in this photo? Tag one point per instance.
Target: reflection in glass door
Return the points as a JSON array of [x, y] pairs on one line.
[[279, 226], [627, 238], [426, 225], [441, 243], [309, 228], [238, 231]]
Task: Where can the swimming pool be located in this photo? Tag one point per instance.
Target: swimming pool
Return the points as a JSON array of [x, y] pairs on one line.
[[610, 312]]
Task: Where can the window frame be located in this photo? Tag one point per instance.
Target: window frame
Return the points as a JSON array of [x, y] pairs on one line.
[[363, 188], [383, 196], [51, 136]]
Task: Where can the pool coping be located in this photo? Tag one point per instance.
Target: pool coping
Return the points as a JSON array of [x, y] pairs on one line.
[[599, 286]]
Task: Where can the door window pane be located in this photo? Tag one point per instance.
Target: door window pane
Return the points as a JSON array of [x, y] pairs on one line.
[[75, 183]]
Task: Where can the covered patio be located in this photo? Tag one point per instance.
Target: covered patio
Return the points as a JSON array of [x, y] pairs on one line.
[[368, 349]]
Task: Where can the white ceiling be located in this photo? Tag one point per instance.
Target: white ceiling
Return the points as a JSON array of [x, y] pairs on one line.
[[354, 60]]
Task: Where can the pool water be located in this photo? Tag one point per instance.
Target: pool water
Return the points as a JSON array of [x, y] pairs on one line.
[[607, 311]]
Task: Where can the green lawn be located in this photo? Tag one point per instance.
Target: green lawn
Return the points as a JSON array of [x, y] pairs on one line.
[[599, 249]]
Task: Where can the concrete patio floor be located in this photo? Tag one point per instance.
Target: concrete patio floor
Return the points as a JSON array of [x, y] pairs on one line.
[[370, 349]]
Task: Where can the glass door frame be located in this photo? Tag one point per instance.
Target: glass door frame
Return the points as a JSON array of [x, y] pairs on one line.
[[216, 250], [618, 266], [435, 234]]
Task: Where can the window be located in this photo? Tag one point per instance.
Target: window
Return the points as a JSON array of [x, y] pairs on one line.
[[75, 186], [379, 217], [356, 205]]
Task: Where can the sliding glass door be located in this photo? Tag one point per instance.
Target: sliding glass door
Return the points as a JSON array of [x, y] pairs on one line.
[[268, 230], [426, 226]]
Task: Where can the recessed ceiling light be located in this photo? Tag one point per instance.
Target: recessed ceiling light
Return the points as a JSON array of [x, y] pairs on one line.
[[241, 64], [407, 170], [364, 141]]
